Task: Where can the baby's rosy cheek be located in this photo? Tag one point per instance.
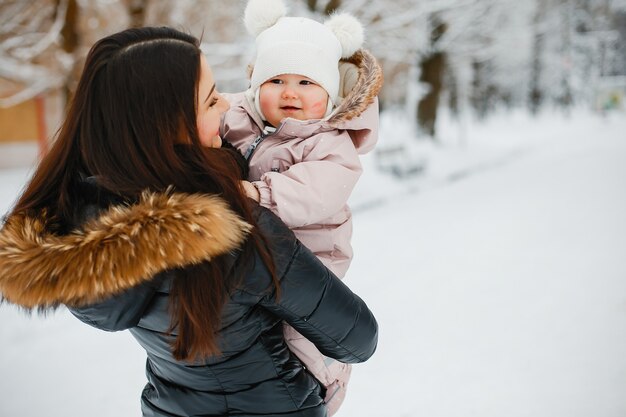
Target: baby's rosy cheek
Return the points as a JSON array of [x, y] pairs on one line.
[[318, 105]]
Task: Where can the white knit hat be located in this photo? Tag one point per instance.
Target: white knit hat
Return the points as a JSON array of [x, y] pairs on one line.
[[297, 45]]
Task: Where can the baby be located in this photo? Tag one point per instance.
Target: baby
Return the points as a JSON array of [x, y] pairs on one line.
[[301, 125]]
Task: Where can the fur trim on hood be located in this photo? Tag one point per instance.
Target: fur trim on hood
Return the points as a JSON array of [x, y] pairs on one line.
[[123, 247], [364, 92]]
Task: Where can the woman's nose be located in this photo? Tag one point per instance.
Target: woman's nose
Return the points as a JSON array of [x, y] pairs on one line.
[[225, 104]]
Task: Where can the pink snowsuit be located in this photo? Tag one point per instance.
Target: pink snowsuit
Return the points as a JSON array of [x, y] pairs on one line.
[[305, 171]]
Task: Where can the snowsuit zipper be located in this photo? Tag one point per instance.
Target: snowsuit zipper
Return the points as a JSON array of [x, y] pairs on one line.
[[266, 132]]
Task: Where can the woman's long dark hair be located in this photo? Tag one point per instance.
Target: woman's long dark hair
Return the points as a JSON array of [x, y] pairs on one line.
[[132, 125]]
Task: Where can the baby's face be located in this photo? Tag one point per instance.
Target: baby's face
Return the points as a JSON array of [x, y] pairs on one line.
[[291, 95]]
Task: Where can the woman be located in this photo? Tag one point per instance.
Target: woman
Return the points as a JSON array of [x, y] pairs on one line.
[[137, 219]]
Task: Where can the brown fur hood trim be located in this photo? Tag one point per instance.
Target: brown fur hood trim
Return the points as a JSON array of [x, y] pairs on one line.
[[124, 246], [369, 83]]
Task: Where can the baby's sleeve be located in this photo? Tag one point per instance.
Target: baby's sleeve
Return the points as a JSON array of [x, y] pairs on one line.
[[317, 187]]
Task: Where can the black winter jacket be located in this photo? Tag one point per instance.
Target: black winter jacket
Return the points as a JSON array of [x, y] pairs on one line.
[[114, 272]]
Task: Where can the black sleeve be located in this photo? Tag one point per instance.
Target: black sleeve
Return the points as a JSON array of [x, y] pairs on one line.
[[315, 302], [119, 312]]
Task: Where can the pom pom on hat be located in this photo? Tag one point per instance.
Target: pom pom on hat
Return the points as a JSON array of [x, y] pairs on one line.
[[263, 14], [348, 31]]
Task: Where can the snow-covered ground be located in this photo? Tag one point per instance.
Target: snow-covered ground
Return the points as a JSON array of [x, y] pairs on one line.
[[498, 278]]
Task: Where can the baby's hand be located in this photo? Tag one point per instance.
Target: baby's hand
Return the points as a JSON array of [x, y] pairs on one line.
[[251, 191]]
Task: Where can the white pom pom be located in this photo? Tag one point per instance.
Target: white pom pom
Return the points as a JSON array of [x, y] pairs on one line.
[[349, 31], [262, 14]]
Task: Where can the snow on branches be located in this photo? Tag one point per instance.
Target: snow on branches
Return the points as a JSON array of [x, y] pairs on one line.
[[31, 60]]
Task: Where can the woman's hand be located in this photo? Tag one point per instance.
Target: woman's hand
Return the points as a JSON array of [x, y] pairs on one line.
[[251, 190]]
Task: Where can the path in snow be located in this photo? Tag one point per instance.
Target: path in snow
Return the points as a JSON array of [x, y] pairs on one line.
[[503, 294]]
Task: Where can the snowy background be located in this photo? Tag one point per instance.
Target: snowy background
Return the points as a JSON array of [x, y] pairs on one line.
[[490, 222], [498, 277]]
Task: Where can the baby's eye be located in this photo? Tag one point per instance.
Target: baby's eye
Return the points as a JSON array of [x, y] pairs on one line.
[[276, 81], [306, 82]]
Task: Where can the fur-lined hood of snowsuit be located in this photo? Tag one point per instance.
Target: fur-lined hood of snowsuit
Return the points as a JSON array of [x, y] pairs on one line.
[[119, 249], [359, 91], [363, 92]]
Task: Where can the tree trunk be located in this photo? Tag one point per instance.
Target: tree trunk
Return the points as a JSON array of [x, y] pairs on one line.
[[70, 43], [484, 95], [565, 98], [69, 33], [137, 12], [536, 96], [536, 71], [332, 6], [432, 74]]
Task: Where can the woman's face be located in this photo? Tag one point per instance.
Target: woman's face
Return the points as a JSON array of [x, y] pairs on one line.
[[211, 105]]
